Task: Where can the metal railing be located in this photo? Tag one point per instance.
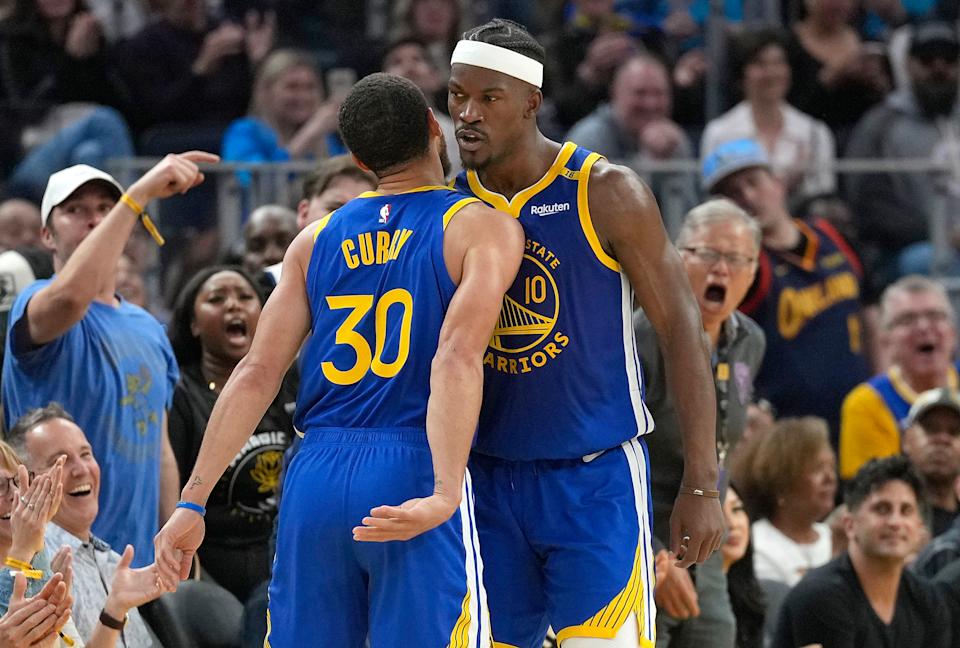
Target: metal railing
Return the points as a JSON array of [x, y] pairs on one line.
[[242, 185]]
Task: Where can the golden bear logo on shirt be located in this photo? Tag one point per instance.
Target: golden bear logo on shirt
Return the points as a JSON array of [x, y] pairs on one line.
[[138, 389], [266, 472]]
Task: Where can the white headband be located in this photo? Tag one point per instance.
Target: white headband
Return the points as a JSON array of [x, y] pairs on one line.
[[499, 59]]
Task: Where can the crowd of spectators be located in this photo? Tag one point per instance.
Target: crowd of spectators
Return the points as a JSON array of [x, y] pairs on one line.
[[822, 294]]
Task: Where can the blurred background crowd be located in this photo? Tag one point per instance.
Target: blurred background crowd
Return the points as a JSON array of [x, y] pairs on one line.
[[805, 155]]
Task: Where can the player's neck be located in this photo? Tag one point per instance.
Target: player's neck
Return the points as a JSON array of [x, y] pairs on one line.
[[412, 176], [529, 162]]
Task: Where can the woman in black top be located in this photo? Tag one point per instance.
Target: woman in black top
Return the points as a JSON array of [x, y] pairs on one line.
[[213, 325], [746, 596]]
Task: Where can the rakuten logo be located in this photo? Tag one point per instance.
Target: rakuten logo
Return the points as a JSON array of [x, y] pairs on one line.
[[549, 210]]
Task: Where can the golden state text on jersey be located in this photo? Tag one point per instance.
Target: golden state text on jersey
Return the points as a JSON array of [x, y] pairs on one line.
[[562, 375]]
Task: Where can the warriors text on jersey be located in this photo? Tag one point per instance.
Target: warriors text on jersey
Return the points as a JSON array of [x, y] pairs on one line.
[[562, 377]]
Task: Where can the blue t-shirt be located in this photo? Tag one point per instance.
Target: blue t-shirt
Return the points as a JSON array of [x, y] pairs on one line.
[[252, 140], [115, 373]]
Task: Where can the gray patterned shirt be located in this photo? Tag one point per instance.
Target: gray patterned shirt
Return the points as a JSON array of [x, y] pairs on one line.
[[94, 564]]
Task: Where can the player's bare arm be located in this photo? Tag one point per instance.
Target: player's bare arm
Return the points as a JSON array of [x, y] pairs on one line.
[[283, 325], [482, 248], [628, 223], [81, 280]]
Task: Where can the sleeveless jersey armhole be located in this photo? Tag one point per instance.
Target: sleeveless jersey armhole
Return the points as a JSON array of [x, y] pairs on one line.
[[586, 222], [455, 209]]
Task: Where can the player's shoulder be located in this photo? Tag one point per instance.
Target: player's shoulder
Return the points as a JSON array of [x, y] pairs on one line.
[[472, 209], [617, 185], [479, 226]]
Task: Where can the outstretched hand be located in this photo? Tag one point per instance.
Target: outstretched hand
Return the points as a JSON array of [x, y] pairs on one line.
[[410, 519], [175, 546], [696, 528], [132, 588]]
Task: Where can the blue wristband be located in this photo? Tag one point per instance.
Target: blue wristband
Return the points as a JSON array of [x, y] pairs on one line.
[[193, 507]]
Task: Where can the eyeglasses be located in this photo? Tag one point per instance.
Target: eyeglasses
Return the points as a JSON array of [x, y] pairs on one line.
[[912, 318], [710, 257]]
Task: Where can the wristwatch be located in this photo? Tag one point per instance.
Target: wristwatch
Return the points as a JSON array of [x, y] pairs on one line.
[[110, 622]]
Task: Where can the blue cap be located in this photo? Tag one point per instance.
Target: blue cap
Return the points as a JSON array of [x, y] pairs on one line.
[[730, 157]]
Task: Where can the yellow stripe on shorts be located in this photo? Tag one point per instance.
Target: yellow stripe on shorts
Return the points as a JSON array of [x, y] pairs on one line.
[[606, 623], [460, 637], [266, 638]]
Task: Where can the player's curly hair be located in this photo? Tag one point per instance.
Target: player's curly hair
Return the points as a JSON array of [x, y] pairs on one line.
[[383, 121], [508, 35]]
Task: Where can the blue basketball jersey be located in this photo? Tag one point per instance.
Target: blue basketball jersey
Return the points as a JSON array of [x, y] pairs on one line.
[[378, 290], [809, 310], [897, 394], [562, 377]]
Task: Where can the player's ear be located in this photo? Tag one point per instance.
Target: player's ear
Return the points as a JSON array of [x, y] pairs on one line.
[[360, 164], [433, 124], [534, 101]]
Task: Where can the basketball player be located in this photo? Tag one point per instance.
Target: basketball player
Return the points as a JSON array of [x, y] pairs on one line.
[[410, 272], [559, 466]]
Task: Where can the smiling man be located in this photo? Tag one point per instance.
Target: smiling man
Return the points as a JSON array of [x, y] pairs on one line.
[[719, 244], [865, 597], [918, 331], [102, 614]]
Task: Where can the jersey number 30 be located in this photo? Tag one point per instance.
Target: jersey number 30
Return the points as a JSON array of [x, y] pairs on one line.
[[347, 334]]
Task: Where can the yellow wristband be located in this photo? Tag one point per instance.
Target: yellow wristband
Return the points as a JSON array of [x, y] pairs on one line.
[[17, 564], [144, 217], [131, 203], [26, 568]]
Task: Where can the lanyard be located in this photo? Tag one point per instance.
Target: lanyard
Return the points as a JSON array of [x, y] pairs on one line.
[[721, 378]]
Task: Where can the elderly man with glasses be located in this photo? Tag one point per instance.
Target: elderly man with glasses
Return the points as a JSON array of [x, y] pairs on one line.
[[719, 244], [918, 334]]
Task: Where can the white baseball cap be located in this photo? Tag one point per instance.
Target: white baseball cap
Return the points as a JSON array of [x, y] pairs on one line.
[[63, 183]]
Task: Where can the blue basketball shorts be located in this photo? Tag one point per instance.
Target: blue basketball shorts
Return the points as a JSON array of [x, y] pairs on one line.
[[330, 590], [567, 544]]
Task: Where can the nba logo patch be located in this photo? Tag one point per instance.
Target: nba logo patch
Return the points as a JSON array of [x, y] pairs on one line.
[[384, 214]]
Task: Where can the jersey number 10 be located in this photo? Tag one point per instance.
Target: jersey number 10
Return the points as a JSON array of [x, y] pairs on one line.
[[347, 334]]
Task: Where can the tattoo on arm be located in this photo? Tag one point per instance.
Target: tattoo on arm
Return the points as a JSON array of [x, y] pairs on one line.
[[437, 484], [196, 482]]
